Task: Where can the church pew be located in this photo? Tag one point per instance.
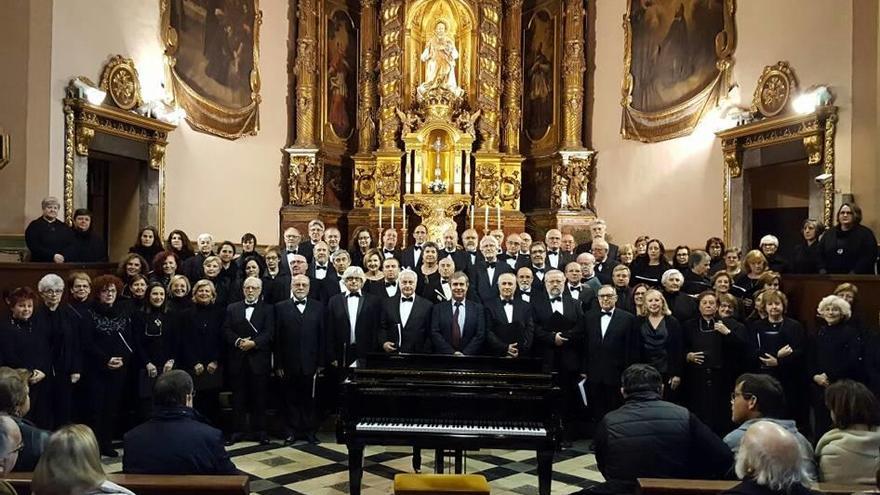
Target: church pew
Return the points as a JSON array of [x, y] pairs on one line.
[[663, 486], [148, 484]]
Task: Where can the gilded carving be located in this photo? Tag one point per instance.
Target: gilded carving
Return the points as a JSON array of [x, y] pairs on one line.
[[120, 80], [390, 73], [510, 188], [828, 167], [69, 150], [775, 88], [388, 181], [157, 155], [489, 98], [305, 69], [813, 147], [572, 184], [365, 187], [487, 184], [731, 162], [513, 77], [573, 66], [305, 180], [84, 136]]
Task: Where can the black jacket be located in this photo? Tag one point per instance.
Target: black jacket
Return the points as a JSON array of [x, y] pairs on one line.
[[46, 239], [500, 332], [34, 440], [65, 328], [805, 258], [607, 356], [156, 335], [852, 251], [260, 329], [300, 339], [201, 336], [367, 327], [175, 441], [85, 247], [416, 334], [26, 344], [473, 333], [107, 334], [834, 350], [651, 438], [568, 356]]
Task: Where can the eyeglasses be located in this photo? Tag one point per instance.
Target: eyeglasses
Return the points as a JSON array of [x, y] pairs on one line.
[[606, 296], [746, 396], [56, 292]]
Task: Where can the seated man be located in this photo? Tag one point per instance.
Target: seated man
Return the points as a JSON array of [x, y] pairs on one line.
[[770, 461], [759, 397], [648, 437], [10, 443], [174, 440]]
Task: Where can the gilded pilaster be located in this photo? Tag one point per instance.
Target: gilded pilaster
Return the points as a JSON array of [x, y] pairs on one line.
[[512, 76], [574, 65], [489, 99], [367, 78], [390, 72], [306, 73]]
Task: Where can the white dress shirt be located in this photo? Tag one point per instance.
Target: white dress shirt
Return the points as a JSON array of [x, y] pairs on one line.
[[321, 274], [508, 310], [352, 303], [557, 306], [604, 321], [405, 310]]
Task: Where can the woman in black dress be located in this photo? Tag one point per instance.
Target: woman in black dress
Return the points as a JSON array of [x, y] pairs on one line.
[[649, 268], [65, 325], [805, 255], [661, 342], [178, 294], [179, 244], [26, 342], [200, 344], [754, 265], [213, 268], [849, 247], [80, 287], [681, 258], [137, 294], [108, 346], [155, 331], [834, 355], [148, 244], [165, 265], [132, 264]]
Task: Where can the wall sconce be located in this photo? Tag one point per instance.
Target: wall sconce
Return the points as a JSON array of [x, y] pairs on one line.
[[4, 150], [812, 98], [88, 91]]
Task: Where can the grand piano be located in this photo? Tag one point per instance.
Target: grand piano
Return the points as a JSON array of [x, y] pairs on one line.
[[447, 402]]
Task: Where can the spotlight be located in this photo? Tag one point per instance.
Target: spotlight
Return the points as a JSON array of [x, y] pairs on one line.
[[92, 94], [813, 97]]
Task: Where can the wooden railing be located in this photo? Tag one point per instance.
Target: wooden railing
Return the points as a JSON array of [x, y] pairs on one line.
[[662, 486], [14, 275], [154, 484]]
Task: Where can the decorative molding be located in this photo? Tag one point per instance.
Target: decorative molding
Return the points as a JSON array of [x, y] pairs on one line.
[[774, 90], [121, 82], [489, 74], [390, 73], [573, 185], [574, 65], [305, 179]]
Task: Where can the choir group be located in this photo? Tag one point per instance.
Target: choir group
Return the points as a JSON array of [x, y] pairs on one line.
[[310, 307]]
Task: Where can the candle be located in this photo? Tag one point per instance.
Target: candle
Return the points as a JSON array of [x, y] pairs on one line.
[[498, 214], [403, 216], [486, 220], [472, 215], [392, 216], [380, 217]]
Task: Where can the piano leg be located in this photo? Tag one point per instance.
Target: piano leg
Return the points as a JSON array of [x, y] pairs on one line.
[[438, 461], [458, 462], [355, 468], [417, 459], [545, 471]]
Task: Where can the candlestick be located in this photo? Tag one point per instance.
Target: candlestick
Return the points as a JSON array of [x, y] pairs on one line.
[[392, 216], [472, 208], [498, 214], [486, 220]]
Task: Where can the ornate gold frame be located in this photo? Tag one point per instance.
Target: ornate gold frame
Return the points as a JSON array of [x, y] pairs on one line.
[[202, 113], [681, 119]]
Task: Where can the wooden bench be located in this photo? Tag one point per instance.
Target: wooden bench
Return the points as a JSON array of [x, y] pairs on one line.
[[440, 484], [663, 486], [153, 484]]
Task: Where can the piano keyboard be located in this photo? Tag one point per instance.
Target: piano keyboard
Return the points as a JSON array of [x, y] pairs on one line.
[[393, 425]]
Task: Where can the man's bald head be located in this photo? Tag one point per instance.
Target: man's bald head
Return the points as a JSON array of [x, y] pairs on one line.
[[771, 456], [10, 440]]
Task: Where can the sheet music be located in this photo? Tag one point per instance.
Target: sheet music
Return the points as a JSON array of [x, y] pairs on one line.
[[583, 391]]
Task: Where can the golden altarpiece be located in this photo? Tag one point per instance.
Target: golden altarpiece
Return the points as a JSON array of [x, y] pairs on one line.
[[459, 113]]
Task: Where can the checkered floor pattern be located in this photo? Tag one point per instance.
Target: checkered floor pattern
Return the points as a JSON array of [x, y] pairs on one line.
[[322, 469]]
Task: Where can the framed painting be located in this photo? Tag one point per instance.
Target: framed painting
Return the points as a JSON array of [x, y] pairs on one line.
[[212, 60], [677, 63], [539, 74], [341, 68]]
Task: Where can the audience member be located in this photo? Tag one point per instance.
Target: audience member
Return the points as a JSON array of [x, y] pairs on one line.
[[15, 403], [770, 461], [11, 445], [848, 453]]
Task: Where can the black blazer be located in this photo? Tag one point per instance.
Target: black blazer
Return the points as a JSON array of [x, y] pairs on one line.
[[367, 326], [408, 258], [377, 288], [483, 288], [432, 290], [327, 288], [514, 261], [586, 296], [416, 334], [277, 288], [500, 333], [587, 247], [668, 360], [395, 253], [260, 329], [300, 339], [603, 270], [316, 285], [201, 335], [607, 357], [472, 335], [547, 323], [564, 259], [307, 249]]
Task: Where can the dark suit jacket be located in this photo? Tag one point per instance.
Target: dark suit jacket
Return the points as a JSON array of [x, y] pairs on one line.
[[519, 259], [367, 326], [472, 335], [568, 356], [276, 289], [607, 357], [586, 296], [395, 253], [307, 249], [500, 332], [377, 288], [587, 247], [328, 287], [564, 259], [432, 289], [537, 283], [416, 334], [316, 287], [408, 259], [300, 339], [236, 326], [603, 270], [486, 290]]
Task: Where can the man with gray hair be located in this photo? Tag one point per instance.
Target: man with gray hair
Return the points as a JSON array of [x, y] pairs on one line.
[[248, 328], [598, 230], [352, 320], [406, 319], [10, 445], [769, 462], [47, 236]]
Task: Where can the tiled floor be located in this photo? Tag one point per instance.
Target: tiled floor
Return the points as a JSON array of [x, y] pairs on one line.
[[323, 469]]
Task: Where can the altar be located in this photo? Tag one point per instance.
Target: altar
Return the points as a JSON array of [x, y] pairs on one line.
[[448, 113]]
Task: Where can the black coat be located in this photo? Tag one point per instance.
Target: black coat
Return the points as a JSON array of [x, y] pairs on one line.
[[65, 328], [300, 338], [585, 295], [605, 269], [432, 288], [367, 327], [568, 356], [852, 251], [277, 288], [651, 438], [416, 334], [85, 247], [473, 333], [666, 354], [408, 258], [260, 329], [107, 334], [175, 441], [201, 335], [46, 239], [500, 332], [834, 350], [606, 357], [193, 269], [484, 288], [587, 247], [156, 335], [805, 258], [562, 259]]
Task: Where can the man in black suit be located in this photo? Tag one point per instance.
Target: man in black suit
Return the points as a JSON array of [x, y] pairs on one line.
[[484, 274], [292, 238], [439, 289], [411, 257], [470, 255], [509, 326], [332, 236], [611, 345], [319, 268], [524, 280], [333, 285], [555, 258], [406, 319], [316, 233], [598, 230], [458, 327], [249, 327], [353, 320], [588, 271], [450, 249], [559, 341], [604, 264], [568, 245], [511, 255], [387, 287], [389, 244], [576, 289], [538, 264], [300, 352]]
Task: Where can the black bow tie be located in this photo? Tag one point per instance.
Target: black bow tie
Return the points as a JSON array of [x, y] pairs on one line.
[[556, 299], [390, 284], [552, 252], [446, 282], [250, 305], [319, 267], [388, 251], [406, 299], [292, 252], [507, 302], [355, 294], [300, 302], [490, 264], [574, 287], [526, 291], [607, 313], [417, 248], [535, 268]]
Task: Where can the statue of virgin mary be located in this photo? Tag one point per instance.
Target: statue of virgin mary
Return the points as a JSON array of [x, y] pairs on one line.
[[440, 55]]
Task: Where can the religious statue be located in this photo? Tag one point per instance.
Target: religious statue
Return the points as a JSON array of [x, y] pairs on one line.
[[437, 186], [440, 55]]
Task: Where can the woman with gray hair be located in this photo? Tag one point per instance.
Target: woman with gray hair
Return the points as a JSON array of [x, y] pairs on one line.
[[834, 356], [65, 326], [47, 236]]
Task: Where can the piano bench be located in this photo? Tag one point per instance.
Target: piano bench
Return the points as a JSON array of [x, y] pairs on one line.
[[440, 484]]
